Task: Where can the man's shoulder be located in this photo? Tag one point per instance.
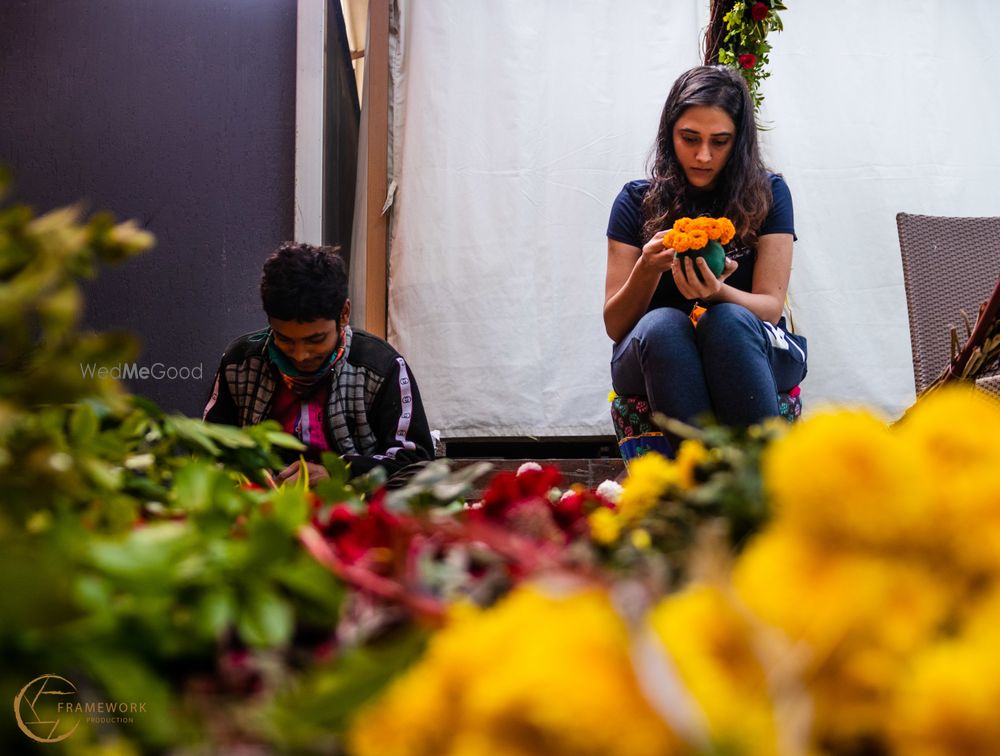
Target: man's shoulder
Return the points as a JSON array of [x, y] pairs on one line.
[[243, 347], [370, 351]]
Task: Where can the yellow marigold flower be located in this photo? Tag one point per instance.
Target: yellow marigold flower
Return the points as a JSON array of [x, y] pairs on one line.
[[717, 229], [668, 239], [857, 616], [612, 396], [649, 478], [827, 596], [947, 703], [843, 476], [958, 430], [698, 238], [536, 674], [681, 242], [690, 454], [728, 230], [605, 526], [979, 615], [711, 645], [640, 539]]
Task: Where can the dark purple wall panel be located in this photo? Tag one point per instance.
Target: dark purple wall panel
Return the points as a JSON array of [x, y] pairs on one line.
[[180, 113]]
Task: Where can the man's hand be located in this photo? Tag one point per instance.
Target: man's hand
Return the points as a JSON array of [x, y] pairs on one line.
[[291, 473]]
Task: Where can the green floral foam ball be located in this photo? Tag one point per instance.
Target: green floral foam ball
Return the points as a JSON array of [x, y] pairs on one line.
[[714, 255]]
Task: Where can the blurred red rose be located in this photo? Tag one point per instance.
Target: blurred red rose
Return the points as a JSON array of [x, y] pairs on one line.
[[759, 12], [520, 503], [353, 535], [748, 60], [573, 508], [507, 490]]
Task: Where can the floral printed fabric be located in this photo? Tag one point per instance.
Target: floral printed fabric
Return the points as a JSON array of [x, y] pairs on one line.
[[637, 434]]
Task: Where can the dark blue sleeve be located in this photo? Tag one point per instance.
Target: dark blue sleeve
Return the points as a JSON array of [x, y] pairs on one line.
[[780, 219], [625, 223]]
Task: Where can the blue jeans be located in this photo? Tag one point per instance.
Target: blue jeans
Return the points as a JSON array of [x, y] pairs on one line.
[[731, 367]]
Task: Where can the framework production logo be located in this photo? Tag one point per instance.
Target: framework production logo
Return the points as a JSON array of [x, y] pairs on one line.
[[42, 711]]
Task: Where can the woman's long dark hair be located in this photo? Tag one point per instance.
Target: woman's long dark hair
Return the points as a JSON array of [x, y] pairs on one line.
[[742, 190]]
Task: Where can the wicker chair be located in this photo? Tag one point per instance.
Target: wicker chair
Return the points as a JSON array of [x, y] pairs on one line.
[[950, 265]]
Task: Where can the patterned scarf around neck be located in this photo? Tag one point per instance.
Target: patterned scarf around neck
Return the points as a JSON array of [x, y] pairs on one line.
[[296, 381]]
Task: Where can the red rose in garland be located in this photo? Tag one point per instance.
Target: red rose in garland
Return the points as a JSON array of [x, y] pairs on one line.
[[748, 60], [759, 11]]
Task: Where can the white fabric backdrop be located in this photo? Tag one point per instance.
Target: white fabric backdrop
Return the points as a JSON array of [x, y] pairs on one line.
[[877, 108], [517, 123]]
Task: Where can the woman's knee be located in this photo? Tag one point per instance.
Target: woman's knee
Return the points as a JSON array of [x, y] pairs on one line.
[[664, 333], [663, 322], [726, 321]]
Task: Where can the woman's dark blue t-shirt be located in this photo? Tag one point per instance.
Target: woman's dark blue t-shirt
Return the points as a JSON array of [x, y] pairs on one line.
[[625, 225]]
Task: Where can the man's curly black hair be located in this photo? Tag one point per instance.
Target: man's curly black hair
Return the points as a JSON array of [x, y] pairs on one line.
[[303, 282]]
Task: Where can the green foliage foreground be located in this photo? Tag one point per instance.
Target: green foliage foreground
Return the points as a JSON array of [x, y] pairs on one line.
[[137, 560]]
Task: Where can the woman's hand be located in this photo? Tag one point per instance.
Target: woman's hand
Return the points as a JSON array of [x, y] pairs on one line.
[[655, 256], [685, 270]]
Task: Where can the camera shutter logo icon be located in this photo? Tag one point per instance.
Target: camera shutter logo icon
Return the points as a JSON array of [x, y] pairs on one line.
[[42, 711]]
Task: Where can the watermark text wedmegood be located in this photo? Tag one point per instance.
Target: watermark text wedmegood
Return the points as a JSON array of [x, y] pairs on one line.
[[134, 371]]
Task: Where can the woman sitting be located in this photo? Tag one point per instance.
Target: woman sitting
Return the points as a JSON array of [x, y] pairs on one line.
[[737, 359]]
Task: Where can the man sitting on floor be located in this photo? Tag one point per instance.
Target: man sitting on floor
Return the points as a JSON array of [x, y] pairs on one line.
[[334, 388]]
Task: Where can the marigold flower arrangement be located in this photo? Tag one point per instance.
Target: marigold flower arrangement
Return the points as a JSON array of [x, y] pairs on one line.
[[703, 235]]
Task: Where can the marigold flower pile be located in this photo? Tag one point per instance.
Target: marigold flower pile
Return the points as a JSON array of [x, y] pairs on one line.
[[694, 233], [864, 615], [883, 564], [544, 672]]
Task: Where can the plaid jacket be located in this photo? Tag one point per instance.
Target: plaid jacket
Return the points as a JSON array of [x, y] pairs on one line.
[[374, 415]]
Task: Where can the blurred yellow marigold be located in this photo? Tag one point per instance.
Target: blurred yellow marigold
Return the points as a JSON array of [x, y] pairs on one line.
[[641, 539], [649, 478], [711, 645], [947, 703], [536, 674], [690, 454], [605, 525], [979, 613], [958, 430], [856, 615], [828, 597], [845, 477]]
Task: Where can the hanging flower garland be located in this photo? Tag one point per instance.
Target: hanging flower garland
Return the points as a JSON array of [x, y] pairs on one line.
[[745, 46]]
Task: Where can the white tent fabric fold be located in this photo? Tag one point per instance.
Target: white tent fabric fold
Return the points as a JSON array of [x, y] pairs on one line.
[[518, 122]]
